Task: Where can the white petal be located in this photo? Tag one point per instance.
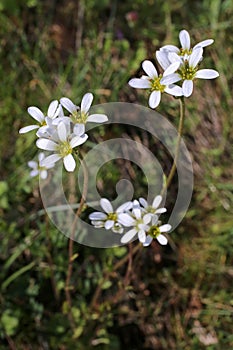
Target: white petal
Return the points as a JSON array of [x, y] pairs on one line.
[[136, 204], [171, 48], [195, 57], [174, 90], [143, 202], [124, 207], [126, 219], [204, 43], [106, 205], [187, 87], [43, 174], [170, 79], [36, 114], [139, 83], [142, 236], [97, 118], [128, 236], [109, 224], [78, 140], [154, 219], [69, 162], [97, 224], [61, 130], [154, 99], [184, 39], [137, 213], [46, 144], [148, 241], [161, 210], [79, 129], [86, 102], [146, 218], [28, 128], [165, 228], [97, 215], [156, 202], [149, 69], [174, 57], [162, 239], [34, 172], [50, 160], [32, 164], [68, 104], [162, 58], [52, 108], [207, 74], [172, 68], [41, 156]]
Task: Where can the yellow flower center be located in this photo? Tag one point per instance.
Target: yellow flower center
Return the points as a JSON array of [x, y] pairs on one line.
[[112, 216], [79, 117], [184, 52], [43, 123], [187, 72], [64, 149], [154, 231], [155, 84]]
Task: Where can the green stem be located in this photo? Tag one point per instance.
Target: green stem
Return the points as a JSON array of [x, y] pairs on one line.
[[180, 131], [71, 244]]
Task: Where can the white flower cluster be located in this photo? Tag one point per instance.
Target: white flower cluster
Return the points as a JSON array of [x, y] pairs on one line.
[[179, 65], [59, 133], [138, 214]]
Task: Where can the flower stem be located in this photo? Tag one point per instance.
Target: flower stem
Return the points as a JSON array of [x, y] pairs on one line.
[[71, 243], [180, 131]]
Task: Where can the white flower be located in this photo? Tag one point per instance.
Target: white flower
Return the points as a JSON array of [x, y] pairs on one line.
[[154, 208], [37, 168], [153, 81], [39, 116], [138, 220], [62, 145], [80, 115], [155, 231], [109, 219], [185, 42], [188, 71]]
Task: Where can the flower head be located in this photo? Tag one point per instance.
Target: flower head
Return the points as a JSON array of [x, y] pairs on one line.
[[152, 209], [155, 83], [138, 220], [109, 219], [188, 71], [62, 144], [185, 42], [80, 115], [156, 232], [38, 115], [38, 168]]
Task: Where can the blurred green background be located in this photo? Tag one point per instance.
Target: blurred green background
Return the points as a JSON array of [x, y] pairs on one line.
[[176, 297]]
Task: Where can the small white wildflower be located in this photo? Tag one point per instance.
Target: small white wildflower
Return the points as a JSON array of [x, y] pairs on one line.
[[185, 50], [38, 115], [155, 232], [154, 208], [138, 220], [153, 81], [62, 145], [80, 115], [188, 71], [37, 168], [109, 219]]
